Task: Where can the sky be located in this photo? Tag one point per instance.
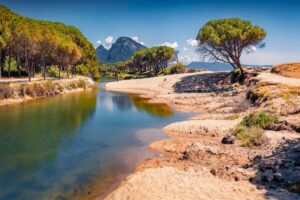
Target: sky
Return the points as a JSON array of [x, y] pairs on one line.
[[173, 22]]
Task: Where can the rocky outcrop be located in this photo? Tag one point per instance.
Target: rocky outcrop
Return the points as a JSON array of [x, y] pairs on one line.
[[121, 50]]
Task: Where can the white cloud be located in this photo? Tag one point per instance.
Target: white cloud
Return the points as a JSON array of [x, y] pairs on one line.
[[136, 38], [108, 42], [98, 41], [170, 44], [186, 59], [192, 42], [185, 49]]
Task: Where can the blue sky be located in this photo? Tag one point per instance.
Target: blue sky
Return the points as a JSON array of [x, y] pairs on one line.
[[173, 22]]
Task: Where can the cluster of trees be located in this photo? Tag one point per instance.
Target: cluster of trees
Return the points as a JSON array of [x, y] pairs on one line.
[[152, 59], [33, 46]]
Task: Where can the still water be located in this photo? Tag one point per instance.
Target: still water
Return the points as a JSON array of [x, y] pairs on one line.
[[76, 146]]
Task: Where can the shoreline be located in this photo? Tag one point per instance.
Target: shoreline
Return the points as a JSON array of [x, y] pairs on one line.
[[45, 88], [199, 136]]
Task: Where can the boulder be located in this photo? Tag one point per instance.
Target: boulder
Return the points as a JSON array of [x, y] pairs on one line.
[[228, 139]]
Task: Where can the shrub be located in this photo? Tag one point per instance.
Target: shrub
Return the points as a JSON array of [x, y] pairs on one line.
[[49, 87], [82, 70], [53, 71], [261, 120], [6, 92], [233, 117], [249, 136], [81, 84], [175, 69]]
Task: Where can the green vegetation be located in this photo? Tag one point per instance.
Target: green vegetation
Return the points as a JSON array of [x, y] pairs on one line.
[[261, 120], [250, 131], [248, 136], [225, 40], [233, 117], [29, 46], [174, 69], [53, 71], [147, 62], [266, 92], [39, 89]]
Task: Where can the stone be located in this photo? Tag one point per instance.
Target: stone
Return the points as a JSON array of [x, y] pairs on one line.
[[228, 139], [267, 176]]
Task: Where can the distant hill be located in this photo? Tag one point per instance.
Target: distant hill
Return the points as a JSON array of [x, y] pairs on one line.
[[217, 66], [121, 50]]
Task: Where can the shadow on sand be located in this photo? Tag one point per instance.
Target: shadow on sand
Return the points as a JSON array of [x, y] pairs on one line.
[[205, 83], [279, 171]]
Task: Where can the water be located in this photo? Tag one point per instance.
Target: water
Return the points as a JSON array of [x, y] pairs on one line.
[[76, 146]]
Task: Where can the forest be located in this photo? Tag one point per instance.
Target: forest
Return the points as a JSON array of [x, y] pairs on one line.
[[29, 47]]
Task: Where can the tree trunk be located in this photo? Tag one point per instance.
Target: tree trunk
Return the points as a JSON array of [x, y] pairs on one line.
[[19, 70], [59, 69], [68, 71], [45, 72], [29, 74], [9, 65]]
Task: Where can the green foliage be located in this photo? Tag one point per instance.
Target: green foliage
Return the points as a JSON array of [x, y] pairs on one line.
[[89, 68], [53, 71], [154, 59], [225, 39], [248, 136], [81, 83], [34, 45], [175, 69], [233, 117], [261, 120]]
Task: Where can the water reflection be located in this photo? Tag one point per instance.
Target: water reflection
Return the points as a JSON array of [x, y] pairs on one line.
[[31, 138], [155, 109], [77, 145]]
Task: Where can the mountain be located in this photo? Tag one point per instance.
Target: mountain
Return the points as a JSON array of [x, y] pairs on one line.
[[217, 66], [121, 50]]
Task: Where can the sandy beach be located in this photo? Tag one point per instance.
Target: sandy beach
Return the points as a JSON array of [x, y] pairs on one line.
[[194, 164]]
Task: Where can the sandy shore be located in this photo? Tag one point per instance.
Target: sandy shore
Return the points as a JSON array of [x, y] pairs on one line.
[[194, 163]]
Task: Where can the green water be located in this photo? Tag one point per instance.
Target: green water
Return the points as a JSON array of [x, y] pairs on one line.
[[76, 146]]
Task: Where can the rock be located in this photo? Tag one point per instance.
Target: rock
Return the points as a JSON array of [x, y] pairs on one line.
[[204, 148], [267, 176], [228, 139], [277, 177], [185, 156]]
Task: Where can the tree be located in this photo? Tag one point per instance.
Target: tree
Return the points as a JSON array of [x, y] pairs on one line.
[[226, 39], [36, 45]]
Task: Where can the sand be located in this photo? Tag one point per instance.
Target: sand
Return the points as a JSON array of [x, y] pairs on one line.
[[194, 163]]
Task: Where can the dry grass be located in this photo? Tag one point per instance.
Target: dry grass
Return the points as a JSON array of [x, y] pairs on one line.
[[291, 70]]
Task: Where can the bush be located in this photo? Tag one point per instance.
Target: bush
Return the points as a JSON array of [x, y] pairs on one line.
[[175, 69], [6, 92], [233, 117], [261, 120], [81, 84], [249, 136], [82, 70], [53, 71]]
